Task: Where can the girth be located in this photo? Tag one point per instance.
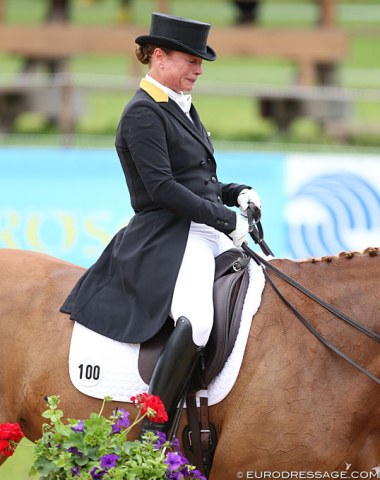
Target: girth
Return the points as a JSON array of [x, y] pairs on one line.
[[230, 287]]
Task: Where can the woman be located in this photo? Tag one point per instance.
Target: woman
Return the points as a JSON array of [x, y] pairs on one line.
[[162, 264]]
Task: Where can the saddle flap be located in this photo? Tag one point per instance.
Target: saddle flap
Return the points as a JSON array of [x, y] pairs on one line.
[[230, 287], [151, 349], [229, 295]]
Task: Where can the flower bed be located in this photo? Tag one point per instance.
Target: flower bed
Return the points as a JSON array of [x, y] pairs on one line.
[[97, 448]]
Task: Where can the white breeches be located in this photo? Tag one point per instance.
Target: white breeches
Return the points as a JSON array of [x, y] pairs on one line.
[[193, 292]]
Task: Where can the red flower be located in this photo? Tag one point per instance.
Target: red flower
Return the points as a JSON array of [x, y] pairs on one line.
[[152, 406], [10, 435]]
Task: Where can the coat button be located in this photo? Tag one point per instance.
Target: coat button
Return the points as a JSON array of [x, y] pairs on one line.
[[213, 179], [202, 163], [219, 199]]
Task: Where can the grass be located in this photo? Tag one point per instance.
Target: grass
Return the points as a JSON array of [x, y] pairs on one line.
[[229, 118], [295, 13]]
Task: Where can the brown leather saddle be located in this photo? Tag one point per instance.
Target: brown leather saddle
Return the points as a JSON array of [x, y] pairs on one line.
[[230, 287]]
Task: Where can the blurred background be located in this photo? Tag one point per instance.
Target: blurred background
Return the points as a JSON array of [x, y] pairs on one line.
[[294, 72], [292, 104]]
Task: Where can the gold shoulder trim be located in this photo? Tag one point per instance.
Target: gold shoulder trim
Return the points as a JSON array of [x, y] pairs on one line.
[[156, 93]]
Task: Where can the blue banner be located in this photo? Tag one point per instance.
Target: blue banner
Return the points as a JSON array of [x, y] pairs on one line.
[[332, 203], [68, 203]]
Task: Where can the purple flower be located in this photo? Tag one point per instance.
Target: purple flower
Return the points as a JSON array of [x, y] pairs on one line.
[[184, 460], [186, 472], [161, 439], [173, 460], [198, 475], [97, 474], [115, 429], [79, 427], [75, 471], [174, 476], [123, 420], [109, 460], [175, 444], [75, 451]]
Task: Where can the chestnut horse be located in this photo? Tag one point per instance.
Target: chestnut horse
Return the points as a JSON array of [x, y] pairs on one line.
[[295, 407]]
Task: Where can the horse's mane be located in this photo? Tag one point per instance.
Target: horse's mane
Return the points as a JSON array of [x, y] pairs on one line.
[[369, 251]]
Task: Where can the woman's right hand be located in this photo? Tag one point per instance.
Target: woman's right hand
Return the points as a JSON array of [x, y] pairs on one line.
[[240, 234]]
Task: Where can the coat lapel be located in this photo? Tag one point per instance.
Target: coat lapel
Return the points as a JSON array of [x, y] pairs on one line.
[[196, 129]]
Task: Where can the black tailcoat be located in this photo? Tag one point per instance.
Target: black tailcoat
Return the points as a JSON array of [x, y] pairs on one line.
[[169, 166]]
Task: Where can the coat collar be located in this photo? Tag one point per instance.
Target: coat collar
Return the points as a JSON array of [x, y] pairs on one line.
[[196, 128], [153, 91]]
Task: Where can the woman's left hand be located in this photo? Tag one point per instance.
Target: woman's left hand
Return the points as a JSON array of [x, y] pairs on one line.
[[246, 197]]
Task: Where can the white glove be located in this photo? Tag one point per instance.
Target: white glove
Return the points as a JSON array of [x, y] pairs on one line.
[[240, 234], [246, 197]]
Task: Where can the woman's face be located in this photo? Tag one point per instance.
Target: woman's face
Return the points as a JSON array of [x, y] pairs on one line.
[[176, 70]]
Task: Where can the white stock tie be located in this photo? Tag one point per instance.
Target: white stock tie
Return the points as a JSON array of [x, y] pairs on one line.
[[184, 102]]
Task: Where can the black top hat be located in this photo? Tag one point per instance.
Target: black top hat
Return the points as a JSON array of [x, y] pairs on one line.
[[181, 34]]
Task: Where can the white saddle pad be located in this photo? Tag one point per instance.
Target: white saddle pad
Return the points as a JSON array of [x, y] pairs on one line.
[[100, 366]]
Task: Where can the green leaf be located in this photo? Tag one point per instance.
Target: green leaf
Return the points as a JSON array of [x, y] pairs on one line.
[[43, 466], [53, 460]]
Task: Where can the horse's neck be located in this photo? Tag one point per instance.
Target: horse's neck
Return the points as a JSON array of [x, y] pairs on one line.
[[347, 282]]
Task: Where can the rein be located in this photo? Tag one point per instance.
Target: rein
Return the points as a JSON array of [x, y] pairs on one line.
[[256, 232]]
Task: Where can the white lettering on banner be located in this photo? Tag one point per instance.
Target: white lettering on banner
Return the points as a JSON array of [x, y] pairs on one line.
[[10, 222], [40, 231], [95, 231], [58, 233], [309, 475], [334, 203]]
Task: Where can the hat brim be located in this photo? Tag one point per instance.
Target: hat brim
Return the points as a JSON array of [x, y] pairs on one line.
[[164, 42]]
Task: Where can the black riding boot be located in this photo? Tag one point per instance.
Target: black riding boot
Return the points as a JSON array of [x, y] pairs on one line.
[[174, 368]]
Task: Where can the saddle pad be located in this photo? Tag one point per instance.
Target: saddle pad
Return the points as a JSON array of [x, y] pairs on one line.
[[100, 366]]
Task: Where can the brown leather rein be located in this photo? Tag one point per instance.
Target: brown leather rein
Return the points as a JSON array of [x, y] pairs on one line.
[[257, 235]]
